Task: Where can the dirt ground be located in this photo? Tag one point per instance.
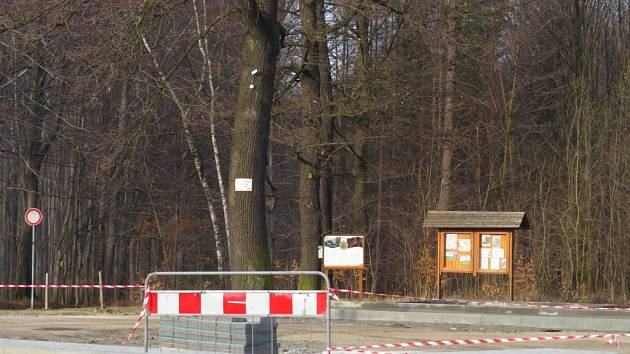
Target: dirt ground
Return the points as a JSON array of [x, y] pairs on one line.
[[111, 326]]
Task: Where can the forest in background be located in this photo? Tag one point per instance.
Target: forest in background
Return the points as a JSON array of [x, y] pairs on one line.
[[127, 121]]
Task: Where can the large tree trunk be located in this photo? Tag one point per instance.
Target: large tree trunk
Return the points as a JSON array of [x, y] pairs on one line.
[[110, 199], [310, 226], [248, 156], [449, 107], [327, 124], [359, 197]]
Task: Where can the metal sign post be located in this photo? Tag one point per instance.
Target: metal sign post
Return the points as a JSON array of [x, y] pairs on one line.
[[33, 217]]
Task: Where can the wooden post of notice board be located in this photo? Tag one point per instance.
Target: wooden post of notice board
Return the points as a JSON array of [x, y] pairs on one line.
[[439, 269], [360, 281], [511, 291]]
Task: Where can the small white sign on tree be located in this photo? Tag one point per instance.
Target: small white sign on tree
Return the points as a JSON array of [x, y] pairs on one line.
[[243, 184]]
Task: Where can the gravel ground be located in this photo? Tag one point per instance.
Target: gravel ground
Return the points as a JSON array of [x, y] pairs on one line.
[[110, 327]]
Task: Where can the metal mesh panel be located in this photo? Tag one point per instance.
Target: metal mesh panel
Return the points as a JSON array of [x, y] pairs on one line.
[[218, 334]]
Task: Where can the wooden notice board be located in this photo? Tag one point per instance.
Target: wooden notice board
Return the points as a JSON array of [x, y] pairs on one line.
[[476, 242], [345, 252]]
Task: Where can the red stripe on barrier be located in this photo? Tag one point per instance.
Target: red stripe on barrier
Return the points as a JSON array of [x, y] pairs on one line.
[[234, 303], [280, 304], [153, 303], [321, 303], [190, 303]]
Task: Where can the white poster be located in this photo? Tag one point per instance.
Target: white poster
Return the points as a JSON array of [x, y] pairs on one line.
[[498, 252], [343, 251], [486, 252], [451, 241], [494, 263], [464, 245], [485, 263]]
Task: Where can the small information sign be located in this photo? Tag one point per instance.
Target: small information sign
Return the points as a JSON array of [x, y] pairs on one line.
[[343, 251], [243, 184]]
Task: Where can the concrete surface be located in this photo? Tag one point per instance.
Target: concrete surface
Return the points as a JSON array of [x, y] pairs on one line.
[[557, 319], [16, 346]]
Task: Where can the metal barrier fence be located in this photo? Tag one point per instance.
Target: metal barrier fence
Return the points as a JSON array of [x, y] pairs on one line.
[[227, 320]]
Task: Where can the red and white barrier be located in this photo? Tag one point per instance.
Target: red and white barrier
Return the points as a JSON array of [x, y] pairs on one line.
[[72, 286], [611, 338], [255, 303]]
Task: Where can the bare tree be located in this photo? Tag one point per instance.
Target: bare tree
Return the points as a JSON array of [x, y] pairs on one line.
[[248, 155]]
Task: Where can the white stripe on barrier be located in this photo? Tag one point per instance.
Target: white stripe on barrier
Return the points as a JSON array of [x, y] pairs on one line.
[[304, 304], [257, 303], [212, 303]]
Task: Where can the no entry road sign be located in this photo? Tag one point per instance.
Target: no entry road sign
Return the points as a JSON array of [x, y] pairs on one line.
[[33, 216]]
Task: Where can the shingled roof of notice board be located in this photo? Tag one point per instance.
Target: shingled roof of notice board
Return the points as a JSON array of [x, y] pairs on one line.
[[476, 220]]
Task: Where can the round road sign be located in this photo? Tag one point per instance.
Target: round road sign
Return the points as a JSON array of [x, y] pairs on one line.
[[33, 216]]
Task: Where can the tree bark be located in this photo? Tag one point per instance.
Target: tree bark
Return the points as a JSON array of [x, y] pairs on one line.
[[248, 156], [310, 223], [327, 124], [449, 107], [110, 199], [359, 197]]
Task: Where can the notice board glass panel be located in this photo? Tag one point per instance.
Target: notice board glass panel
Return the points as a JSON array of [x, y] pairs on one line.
[[456, 252], [495, 251]]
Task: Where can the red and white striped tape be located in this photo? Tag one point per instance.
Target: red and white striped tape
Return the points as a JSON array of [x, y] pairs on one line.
[[73, 286], [561, 307], [346, 291], [256, 303], [145, 307], [493, 303], [611, 338]]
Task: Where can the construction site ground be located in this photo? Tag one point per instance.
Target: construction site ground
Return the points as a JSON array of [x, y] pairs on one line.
[[89, 325]]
